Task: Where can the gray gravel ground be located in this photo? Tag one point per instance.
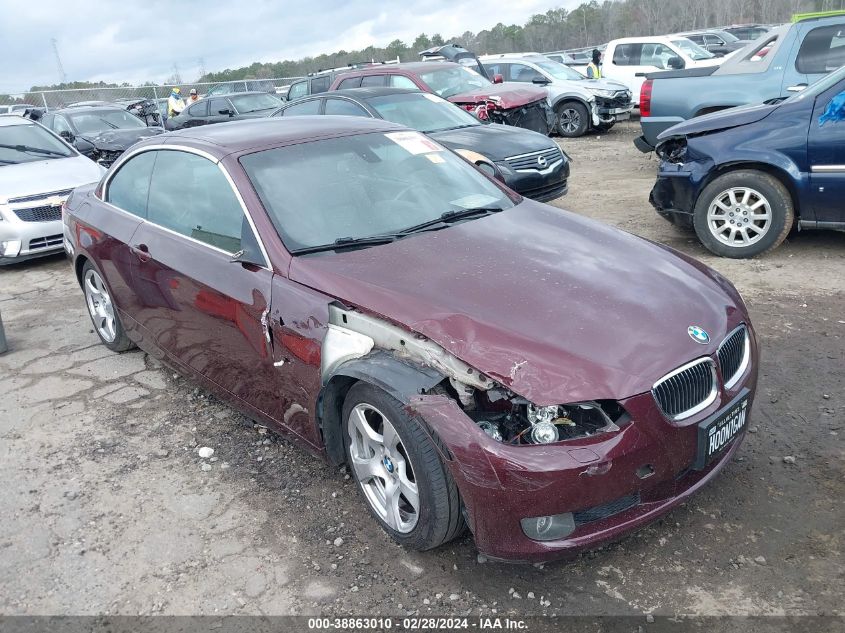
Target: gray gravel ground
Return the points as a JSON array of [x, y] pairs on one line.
[[108, 508]]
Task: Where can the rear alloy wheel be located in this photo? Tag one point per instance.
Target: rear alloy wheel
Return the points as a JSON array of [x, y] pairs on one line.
[[743, 214], [103, 314], [572, 120], [398, 470]]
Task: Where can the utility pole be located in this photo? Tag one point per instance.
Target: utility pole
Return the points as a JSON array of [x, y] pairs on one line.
[[62, 75], [201, 64]]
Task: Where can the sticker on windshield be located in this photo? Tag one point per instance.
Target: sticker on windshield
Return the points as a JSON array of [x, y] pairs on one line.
[[413, 142]]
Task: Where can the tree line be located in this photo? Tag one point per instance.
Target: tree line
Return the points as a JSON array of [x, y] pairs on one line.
[[592, 23]]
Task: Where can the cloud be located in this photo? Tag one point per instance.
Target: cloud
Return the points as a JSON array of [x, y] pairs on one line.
[[104, 40]]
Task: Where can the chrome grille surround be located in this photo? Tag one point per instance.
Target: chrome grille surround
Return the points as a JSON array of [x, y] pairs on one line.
[[41, 196], [734, 355], [531, 161], [687, 390]]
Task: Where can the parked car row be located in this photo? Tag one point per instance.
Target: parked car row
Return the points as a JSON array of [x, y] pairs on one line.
[[744, 177]]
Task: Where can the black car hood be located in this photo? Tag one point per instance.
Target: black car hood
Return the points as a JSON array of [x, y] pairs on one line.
[[722, 120], [495, 141], [120, 139]]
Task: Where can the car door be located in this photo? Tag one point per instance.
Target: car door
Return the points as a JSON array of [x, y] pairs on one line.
[[627, 66], [523, 73], [826, 153], [218, 110], [197, 114], [125, 208], [211, 312]]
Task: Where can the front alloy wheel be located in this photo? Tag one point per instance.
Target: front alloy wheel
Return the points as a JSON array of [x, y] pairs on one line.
[[382, 468], [739, 216], [743, 213], [397, 467], [572, 120]]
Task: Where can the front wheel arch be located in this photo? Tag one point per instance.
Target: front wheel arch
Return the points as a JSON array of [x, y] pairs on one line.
[[776, 172], [567, 101]]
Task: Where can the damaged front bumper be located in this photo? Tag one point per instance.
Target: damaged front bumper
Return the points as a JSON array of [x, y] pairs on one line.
[[606, 111], [607, 485], [537, 116], [677, 188]]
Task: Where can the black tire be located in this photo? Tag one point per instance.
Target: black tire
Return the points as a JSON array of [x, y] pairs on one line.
[[764, 186], [120, 342], [439, 518], [572, 120]]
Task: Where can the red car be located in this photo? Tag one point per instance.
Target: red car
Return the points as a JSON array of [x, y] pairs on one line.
[[475, 357], [507, 103]]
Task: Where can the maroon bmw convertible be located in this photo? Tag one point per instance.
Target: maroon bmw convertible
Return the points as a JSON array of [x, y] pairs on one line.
[[476, 359]]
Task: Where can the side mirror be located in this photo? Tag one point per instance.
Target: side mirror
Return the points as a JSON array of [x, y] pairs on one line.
[[68, 136], [497, 79], [250, 252], [540, 81], [676, 62]]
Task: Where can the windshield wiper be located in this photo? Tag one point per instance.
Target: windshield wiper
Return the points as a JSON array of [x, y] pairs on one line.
[[344, 243], [447, 218], [109, 123], [29, 148]]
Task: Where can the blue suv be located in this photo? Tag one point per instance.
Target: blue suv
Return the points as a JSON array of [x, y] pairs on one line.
[[743, 178]]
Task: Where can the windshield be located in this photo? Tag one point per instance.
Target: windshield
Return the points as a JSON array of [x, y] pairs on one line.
[[823, 84], [730, 38], [364, 185], [559, 71], [245, 104], [424, 112], [28, 143], [693, 50], [94, 122], [447, 81]]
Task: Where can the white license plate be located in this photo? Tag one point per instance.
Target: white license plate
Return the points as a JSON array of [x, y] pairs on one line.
[[716, 433]]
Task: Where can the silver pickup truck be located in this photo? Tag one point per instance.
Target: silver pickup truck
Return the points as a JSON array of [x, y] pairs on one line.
[[783, 61]]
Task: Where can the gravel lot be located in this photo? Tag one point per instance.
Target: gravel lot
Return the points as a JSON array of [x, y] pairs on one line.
[[107, 507]]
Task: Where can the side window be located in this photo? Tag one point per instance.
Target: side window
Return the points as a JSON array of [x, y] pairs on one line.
[[401, 81], [199, 109], [627, 55], [700, 39], [320, 84], [372, 80], [190, 195], [523, 73], [129, 187], [822, 51], [344, 108], [60, 124], [297, 90], [349, 82], [46, 120], [312, 106], [496, 69], [656, 55], [215, 105]]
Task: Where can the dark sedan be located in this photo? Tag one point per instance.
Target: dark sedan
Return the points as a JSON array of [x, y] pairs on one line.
[[102, 133], [744, 178], [528, 162], [219, 109], [474, 357]]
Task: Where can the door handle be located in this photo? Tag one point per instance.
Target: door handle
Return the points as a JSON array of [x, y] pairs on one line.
[[141, 252], [796, 88]]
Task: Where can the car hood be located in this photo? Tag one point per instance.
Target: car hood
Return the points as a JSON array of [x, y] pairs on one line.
[[600, 84], [509, 95], [119, 139], [722, 120], [47, 176], [494, 140], [557, 307]]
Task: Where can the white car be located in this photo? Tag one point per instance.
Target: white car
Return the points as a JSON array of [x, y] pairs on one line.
[[579, 104], [38, 170], [629, 59]]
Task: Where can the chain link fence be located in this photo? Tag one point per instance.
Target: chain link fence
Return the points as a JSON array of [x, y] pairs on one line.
[[54, 99]]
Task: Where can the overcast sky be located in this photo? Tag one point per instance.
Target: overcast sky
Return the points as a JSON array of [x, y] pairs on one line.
[[122, 40]]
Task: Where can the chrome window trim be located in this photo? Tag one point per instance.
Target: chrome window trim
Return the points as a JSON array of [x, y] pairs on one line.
[[542, 172], [126, 156], [746, 356], [535, 152], [710, 399]]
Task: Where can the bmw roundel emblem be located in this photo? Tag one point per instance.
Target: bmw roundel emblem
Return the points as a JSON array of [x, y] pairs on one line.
[[698, 334]]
